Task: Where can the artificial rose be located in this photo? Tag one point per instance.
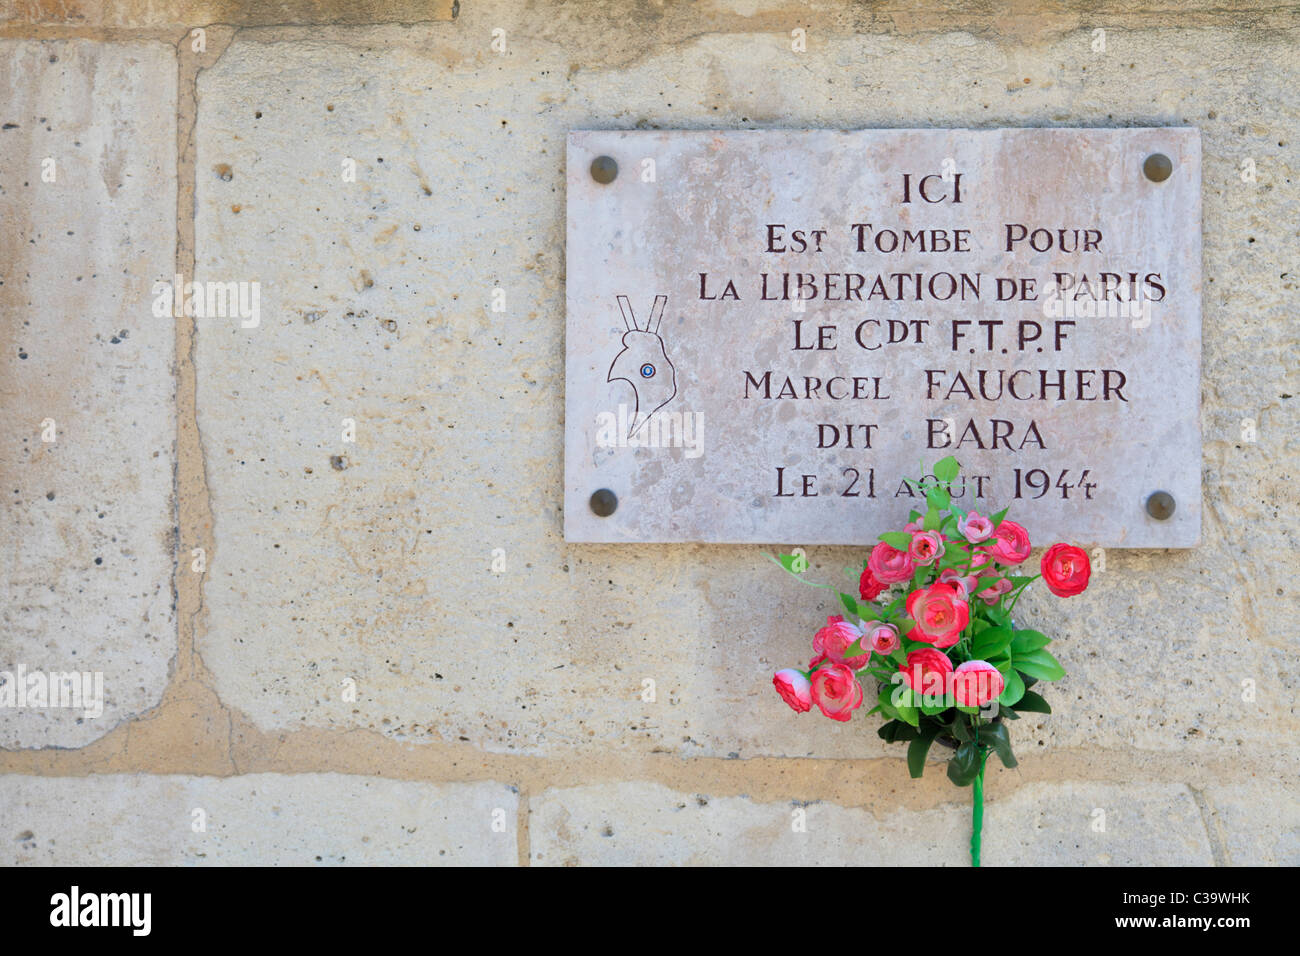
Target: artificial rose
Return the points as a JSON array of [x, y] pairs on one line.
[[883, 639], [993, 593], [794, 688], [981, 564], [967, 582], [1010, 543], [834, 639], [1065, 570], [836, 691], [926, 547], [927, 671], [889, 565], [940, 612], [868, 587], [975, 683], [975, 527]]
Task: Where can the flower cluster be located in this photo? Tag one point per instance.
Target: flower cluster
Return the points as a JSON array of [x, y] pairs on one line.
[[932, 625]]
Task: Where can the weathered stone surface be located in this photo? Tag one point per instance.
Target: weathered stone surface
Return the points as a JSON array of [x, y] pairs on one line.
[[1041, 824], [198, 13], [768, 330], [88, 202], [383, 570], [1258, 822], [263, 819]]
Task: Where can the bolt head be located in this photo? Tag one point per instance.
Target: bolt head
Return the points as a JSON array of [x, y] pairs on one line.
[[1158, 167]]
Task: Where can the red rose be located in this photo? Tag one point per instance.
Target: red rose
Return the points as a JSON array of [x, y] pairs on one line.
[[1066, 570], [889, 565], [836, 691], [975, 683], [868, 587], [927, 671], [940, 612], [1010, 543]]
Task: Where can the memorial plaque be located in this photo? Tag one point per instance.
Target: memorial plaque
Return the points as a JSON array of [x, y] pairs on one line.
[[769, 330]]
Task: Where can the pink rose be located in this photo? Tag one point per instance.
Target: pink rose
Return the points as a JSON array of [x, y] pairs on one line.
[[975, 683], [889, 565], [967, 582], [834, 639], [912, 527], [940, 612], [836, 691], [1065, 570], [927, 671], [991, 594], [926, 547], [1010, 543], [868, 587], [794, 688], [974, 527], [883, 639]]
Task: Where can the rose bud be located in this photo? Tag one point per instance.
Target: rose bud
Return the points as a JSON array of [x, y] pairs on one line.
[[991, 594], [794, 688]]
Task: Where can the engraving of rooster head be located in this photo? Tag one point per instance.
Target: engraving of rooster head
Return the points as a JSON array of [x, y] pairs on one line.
[[644, 363]]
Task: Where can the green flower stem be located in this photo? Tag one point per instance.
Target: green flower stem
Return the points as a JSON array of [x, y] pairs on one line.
[[977, 810]]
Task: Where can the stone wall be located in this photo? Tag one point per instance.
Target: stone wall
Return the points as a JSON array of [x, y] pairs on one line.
[[383, 650]]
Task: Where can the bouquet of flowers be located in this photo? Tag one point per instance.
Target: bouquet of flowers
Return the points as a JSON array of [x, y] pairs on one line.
[[935, 639]]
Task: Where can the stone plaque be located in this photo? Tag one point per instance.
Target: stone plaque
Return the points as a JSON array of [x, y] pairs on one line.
[[769, 330]]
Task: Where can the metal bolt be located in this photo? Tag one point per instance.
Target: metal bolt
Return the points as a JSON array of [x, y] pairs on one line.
[[604, 170], [1160, 505], [604, 503], [1158, 167]]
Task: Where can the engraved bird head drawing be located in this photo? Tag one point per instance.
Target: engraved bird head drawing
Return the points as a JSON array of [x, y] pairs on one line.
[[644, 363]]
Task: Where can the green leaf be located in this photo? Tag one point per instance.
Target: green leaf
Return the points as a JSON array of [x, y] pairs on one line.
[[898, 540], [991, 642], [938, 499], [1034, 703], [1013, 691], [932, 710], [933, 518], [964, 766], [1008, 713], [960, 728], [917, 751], [895, 731], [1026, 642], [946, 468], [886, 705], [1019, 579], [850, 604], [997, 518], [996, 736], [1040, 664]]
